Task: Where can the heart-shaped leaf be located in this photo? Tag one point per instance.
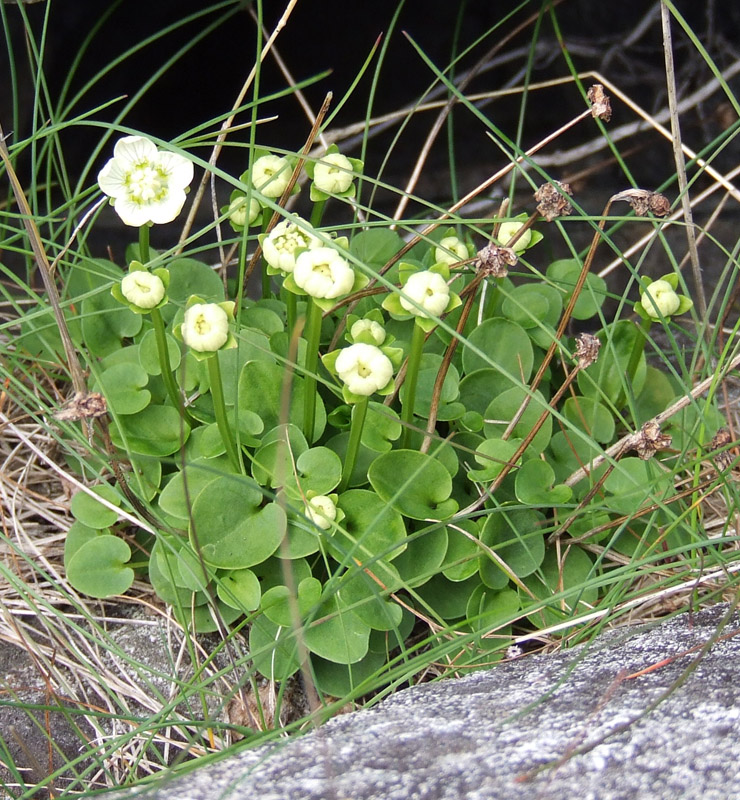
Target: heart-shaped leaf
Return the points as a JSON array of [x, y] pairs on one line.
[[98, 568]]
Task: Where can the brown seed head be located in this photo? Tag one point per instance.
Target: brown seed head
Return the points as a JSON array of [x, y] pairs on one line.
[[82, 406], [720, 441], [643, 200], [650, 440], [494, 261], [587, 349], [551, 200], [601, 106]]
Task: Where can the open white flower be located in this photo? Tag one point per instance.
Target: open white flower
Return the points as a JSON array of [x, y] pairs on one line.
[[205, 327], [375, 329], [279, 247], [427, 289], [364, 368], [142, 289], [322, 511], [323, 273], [238, 211], [661, 294], [146, 184], [270, 175], [454, 244], [333, 174], [509, 230]]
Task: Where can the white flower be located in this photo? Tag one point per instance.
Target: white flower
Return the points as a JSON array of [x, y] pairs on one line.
[[509, 230], [205, 327], [322, 511], [333, 174], [279, 248], [270, 175], [146, 184], [364, 368], [238, 211], [450, 243], [663, 295], [323, 273], [370, 326], [142, 289], [429, 290]]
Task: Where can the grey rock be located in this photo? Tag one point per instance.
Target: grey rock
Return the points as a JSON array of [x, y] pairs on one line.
[[550, 727]]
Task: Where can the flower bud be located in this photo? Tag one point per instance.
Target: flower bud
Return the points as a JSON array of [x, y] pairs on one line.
[[322, 511], [238, 211], [205, 327], [323, 273], [142, 289], [508, 230], [660, 299], [428, 290], [450, 243], [370, 328], [333, 174], [270, 175], [363, 368], [280, 246]]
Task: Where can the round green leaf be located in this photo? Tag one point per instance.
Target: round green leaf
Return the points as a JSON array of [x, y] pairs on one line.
[[277, 601], [413, 483], [239, 588], [362, 592], [123, 387], [423, 556], [564, 275], [370, 528], [493, 455], [77, 535], [155, 431], [340, 680], [516, 537], [447, 599], [489, 609], [98, 568], [463, 551], [91, 512], [503, 345], [382, 427], [533, 483], [106, 323], [273, 649], [605, 380], [231, 528], [589, 415], [503, 408], [149, 353], [339, 635], [570, 578]]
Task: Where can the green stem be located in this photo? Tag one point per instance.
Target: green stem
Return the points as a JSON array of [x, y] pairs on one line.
[[353, 446], [638, 348], [412, 373], [219, 407], [166, 367], [144, 243], [291, 309], [313, 336], [317, 213]]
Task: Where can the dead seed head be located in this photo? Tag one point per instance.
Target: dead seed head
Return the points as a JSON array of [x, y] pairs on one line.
[[601, 106], [494, 261], [720, 441], [551, 200], [650, 440], [644, 201], [587, 349], [82, 406]]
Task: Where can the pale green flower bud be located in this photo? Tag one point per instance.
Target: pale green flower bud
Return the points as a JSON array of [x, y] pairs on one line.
[[450, 243], [375, 329], [364, 369], [427, 289], [280, 246], [323, 273], [270, 175], [205, 327], [142, 289], [510, 229], [238, 211], [333, 174], [662, 295], [322, 511]]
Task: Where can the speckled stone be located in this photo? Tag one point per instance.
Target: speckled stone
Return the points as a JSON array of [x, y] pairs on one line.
[[549, 727]]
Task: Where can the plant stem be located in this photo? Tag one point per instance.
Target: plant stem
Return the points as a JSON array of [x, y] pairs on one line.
[[164, 363], [313, 336], [638, 348], [291, 309], [412, 373], [219, 407], [144, 243], [353, 446], [317, 213]]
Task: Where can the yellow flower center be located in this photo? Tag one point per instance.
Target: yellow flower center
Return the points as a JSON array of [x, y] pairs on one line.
[[146, 183]]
